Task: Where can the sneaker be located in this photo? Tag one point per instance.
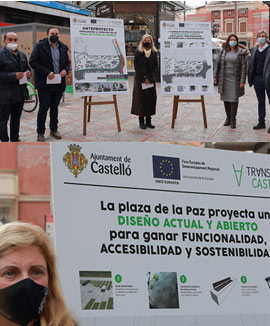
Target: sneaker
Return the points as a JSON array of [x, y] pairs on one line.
[[56, 134], [40, 138], [259, 126]]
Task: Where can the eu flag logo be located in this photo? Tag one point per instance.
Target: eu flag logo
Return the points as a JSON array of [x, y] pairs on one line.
[[166, 167]]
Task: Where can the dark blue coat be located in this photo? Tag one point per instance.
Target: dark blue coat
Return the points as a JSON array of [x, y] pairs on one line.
[[10, 89], [42, 63], [251, 67]]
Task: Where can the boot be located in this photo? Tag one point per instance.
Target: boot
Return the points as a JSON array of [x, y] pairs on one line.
[[148, 123], [141, 122], [227, 106], [234, 107]]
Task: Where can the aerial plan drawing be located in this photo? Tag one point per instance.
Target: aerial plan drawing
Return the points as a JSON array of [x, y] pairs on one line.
[[94, 57]]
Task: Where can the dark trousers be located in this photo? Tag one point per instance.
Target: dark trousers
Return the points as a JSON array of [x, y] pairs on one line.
[[260, 93], [48, 100], [13, 111]]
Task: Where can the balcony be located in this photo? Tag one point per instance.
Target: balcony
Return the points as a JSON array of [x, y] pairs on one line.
[[241, 35]]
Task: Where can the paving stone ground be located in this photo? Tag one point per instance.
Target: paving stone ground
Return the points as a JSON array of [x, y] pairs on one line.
[[188, 127]]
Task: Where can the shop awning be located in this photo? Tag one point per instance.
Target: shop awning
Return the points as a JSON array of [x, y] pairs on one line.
[[178, 5]]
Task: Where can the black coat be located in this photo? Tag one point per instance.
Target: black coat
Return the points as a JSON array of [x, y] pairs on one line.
[[42, 63], [144, 101], [10, 89]]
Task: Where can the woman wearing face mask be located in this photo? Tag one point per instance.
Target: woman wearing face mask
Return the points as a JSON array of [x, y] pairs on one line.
[[144, 91], [29, 289], [230, 73]]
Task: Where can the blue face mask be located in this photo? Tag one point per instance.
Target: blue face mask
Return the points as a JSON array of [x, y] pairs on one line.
[[261, 40], [232, 44]]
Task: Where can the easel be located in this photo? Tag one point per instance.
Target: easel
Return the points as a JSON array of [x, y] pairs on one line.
[[87, 113], [176, 100]]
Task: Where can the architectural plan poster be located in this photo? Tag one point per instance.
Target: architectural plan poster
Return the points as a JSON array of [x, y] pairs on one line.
[[147, 230], [98, 56], [186, 58]]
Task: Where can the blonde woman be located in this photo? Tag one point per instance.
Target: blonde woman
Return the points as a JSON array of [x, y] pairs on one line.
[[29, 288], [144, 90]]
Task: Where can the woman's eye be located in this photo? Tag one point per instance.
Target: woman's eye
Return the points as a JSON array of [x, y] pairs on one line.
[[10, 273], [37, 272]]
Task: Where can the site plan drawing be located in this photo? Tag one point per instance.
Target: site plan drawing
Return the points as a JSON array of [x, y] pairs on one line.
[[98, 56], [177, 66], [186, 58]]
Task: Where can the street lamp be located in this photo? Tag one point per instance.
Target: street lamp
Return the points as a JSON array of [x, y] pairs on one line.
[[268, 4], [214, 28]]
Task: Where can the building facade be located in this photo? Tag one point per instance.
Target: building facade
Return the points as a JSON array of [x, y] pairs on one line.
[[139, 17], [43, 12], [25, 182], [244, 18]]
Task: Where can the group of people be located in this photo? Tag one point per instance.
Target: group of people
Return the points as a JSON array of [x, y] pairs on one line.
[[235, 62], [50, 58], [233, 65]]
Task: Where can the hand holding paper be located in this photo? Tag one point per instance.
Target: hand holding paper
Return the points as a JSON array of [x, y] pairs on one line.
[[146, 86], [55, 80], [23, 80]]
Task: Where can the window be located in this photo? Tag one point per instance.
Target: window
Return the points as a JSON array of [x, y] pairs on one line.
[[4, 214], [243, 27], [8, 197], [229, 27]]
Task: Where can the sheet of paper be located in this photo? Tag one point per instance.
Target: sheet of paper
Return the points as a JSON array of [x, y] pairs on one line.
[[144, 86], [55, 80], [23, 80]]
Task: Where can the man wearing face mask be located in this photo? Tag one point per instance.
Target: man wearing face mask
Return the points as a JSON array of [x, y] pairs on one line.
[[49, 59], [13, 66], [258, 63]]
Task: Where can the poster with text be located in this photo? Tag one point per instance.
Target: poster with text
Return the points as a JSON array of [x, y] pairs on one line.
[[98, 56], [186, 58], [152, 234]]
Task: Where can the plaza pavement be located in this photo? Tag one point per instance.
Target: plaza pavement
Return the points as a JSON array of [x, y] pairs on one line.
[[188, 127]]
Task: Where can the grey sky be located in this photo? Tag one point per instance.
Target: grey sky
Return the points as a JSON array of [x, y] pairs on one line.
[[195, 3]]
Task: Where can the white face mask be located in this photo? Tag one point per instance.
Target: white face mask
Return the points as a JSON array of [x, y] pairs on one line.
[[12, 46]]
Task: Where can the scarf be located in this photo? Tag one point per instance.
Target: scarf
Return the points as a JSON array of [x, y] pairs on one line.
[[147, 52]]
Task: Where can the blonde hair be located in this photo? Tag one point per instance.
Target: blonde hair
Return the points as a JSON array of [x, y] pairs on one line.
[[18, 234], [140, 47]]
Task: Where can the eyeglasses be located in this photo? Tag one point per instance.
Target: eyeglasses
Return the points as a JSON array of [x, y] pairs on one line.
[[12, 39]]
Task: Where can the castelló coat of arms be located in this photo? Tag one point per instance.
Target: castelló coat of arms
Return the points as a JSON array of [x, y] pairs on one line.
[[74, 160]]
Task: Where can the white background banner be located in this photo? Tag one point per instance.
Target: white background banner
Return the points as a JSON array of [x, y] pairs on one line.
[[98, 56], [149, 231], [186, 58]]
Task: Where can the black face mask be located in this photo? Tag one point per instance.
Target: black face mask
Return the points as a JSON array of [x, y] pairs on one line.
[[54, 38], [23, 301], [146, 45]]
